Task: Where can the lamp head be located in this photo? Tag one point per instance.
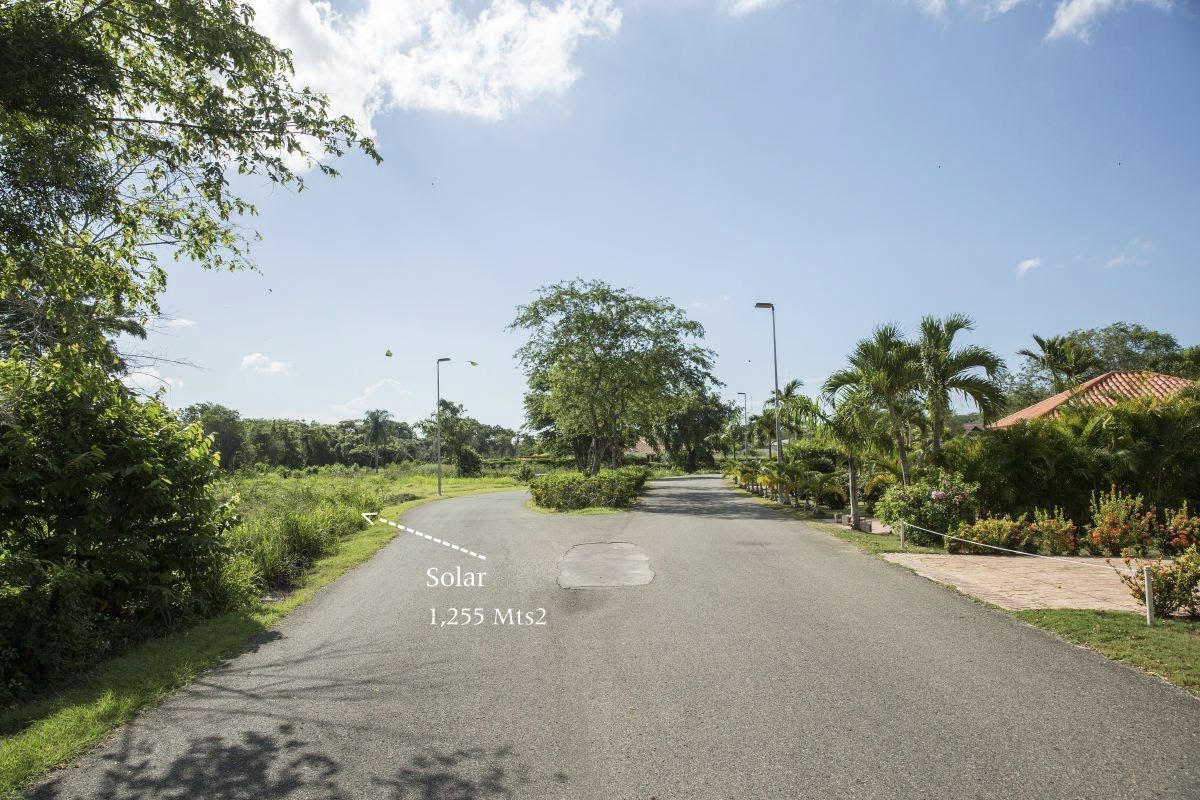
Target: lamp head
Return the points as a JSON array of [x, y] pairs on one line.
[[440, 360], [764, 305]]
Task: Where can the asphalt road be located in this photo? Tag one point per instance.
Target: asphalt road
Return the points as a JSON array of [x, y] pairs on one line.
[[764, 659]]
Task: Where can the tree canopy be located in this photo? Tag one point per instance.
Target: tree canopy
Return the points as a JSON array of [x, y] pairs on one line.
[[609, 364], [121, 122]]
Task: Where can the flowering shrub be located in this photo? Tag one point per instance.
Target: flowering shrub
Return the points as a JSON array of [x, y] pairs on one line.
[[1054, 532], [1176, 584], [1180, 531], [940, 502], [1119, 522], [998, 531]]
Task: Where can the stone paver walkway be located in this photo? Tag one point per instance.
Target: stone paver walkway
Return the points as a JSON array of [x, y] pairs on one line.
[[1018, 582]]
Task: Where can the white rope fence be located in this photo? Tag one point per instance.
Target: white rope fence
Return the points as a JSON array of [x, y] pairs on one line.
[[1147, 573]]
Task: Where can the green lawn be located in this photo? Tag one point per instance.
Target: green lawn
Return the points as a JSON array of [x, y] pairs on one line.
[[42, 734], [1168, 648], [579, 512]]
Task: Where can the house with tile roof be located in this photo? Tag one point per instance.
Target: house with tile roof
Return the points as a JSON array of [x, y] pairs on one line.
[[1104, 390]]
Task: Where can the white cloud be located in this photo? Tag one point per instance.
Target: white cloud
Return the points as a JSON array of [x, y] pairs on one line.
[[180, 323], [1028, 265], [371, 397], [1075, 18], [430, 55], [261, 363], [1134, 254]]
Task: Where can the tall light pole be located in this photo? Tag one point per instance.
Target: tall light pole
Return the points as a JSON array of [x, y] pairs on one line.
[[775, 357], [745, 423], [438, 427]]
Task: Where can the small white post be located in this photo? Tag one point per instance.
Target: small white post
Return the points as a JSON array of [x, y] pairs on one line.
[[903, 525], [1148, 580]]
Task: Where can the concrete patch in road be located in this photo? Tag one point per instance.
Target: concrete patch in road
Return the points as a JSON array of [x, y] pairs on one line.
[[600, 565]]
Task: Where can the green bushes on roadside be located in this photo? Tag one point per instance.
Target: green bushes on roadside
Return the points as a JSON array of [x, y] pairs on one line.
[[1012, 534], [1176, 585], [939, 502], [571, 491], [111, 527]]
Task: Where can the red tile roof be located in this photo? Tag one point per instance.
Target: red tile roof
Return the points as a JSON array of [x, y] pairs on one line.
[[1105, 390], [642, 448]]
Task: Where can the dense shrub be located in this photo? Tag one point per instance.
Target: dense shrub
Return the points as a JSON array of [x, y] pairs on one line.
[[523, 472], [1148, 447], [1176, 585], [569, 491], [110, 524], [1180, 531], [939, 502], [1057, 534], [468, 462], [1120, 522], [1013, 534]]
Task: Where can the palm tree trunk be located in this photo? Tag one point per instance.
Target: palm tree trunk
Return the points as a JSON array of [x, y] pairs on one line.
[[853, 494], [901, 450], [936, 440]]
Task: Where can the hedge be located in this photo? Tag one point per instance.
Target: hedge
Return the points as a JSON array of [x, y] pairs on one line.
[[570, 491]]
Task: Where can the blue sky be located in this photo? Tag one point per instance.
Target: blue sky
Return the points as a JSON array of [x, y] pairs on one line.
[[854, 162]]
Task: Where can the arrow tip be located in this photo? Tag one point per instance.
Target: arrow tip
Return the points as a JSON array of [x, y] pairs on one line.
[[369, 516]]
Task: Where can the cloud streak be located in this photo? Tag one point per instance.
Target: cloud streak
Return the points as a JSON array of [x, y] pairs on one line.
[[371, 397], [1028, 265]]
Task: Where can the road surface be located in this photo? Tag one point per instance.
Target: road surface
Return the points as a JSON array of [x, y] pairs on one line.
[[763, 659]]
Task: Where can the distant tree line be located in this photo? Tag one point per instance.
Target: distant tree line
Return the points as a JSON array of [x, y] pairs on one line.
[[375, 440]]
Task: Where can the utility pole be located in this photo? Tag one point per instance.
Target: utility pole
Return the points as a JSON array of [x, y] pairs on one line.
[[775, 357]]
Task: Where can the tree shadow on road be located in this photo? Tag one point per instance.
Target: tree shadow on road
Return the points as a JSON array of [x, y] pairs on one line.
[[278, 765]]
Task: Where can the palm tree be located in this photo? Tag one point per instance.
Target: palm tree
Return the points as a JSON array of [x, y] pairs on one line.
[[946, 371], [857, 429], [885, 369], [1065, 360], [376, 432]]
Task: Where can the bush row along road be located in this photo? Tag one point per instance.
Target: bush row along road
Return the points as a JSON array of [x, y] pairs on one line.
[[764, 660]]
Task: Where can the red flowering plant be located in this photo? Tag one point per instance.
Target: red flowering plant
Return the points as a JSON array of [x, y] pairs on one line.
[[1176, 583], [1120, 522], [1054, 532], [1180, 531]]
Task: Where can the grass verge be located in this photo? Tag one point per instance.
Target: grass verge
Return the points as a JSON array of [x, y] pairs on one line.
[[872, 543], [1170, 648], [578, 512], [48, 732]]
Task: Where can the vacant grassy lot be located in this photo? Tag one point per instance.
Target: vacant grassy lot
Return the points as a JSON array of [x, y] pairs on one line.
[[306, 526]]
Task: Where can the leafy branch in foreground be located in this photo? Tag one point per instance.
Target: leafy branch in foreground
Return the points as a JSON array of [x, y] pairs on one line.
[[121, 122]]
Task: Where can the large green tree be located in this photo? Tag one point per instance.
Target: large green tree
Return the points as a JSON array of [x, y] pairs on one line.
[[695, 429], [121, 124], [611, 363]]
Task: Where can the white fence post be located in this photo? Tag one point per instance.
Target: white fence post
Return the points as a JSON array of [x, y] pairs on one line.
[[903, 525], [1148, 579]]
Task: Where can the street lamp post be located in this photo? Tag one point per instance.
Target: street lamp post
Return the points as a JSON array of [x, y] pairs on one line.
[[438, 427], [775, 357], [745, 424]]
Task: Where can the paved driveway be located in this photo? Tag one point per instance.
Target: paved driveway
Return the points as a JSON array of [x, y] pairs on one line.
[[763, 659]]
